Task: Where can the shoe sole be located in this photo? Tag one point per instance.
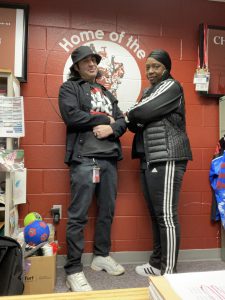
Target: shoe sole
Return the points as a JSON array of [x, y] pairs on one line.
[[145, 274], [69, 287], [96, 268]]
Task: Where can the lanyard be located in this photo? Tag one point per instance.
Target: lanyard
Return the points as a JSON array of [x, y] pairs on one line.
[[203, 47]]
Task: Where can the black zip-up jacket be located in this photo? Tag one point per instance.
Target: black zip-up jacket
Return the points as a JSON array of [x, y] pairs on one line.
[[159, 123], [75, 105]]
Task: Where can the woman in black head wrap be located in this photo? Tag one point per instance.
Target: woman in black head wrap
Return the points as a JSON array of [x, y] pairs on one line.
[[162, 145], [159, 56]]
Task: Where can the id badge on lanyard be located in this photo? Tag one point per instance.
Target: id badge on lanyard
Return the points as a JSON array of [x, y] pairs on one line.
[[201, 80], [95, 172]]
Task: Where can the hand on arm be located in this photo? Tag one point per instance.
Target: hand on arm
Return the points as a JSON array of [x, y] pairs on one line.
[[102, 131], [116, 128]]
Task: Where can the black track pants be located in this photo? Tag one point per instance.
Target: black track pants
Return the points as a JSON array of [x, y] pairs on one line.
[[161, 184], [82, 192]]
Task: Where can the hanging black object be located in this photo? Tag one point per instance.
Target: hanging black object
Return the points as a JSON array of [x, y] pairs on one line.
[[11, 266]]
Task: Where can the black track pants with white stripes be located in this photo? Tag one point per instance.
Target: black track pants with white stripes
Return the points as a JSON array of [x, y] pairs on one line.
[[161, 183]]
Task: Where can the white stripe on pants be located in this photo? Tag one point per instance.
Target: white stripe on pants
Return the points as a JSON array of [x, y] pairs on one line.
[[161, 184]]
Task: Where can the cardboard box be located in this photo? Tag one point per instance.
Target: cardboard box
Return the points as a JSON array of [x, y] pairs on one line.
[[40, 274]]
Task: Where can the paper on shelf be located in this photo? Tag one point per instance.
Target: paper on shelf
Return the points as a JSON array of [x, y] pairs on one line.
[[12, 117], [19, 186], [198, 285]]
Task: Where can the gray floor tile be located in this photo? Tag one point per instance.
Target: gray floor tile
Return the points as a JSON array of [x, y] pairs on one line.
[[102, 281]]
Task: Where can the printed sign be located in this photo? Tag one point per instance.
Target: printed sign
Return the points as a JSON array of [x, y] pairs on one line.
[[11, 117], [216, 60]]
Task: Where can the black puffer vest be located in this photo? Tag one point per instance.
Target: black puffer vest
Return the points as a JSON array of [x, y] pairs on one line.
[[166, 139], [159, 123]]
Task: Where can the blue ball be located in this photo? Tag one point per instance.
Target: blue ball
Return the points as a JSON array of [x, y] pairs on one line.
[[36, 232]]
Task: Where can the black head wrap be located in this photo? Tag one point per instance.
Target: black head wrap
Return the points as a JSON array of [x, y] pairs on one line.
[[163, 57]]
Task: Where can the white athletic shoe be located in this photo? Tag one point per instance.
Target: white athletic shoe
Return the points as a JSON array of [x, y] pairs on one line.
[[108, 264], [77, 282], [147, 270]]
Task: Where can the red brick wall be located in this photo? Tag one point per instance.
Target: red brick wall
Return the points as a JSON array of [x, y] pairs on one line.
[[172, 25]]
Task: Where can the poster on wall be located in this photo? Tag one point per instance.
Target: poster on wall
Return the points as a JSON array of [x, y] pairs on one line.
[[13, 39], [212, 58], [216, 58]]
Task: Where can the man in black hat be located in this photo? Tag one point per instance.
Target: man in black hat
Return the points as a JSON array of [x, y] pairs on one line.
[[94, 124]]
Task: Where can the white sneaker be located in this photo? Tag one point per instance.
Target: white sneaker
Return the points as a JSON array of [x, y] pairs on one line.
[[108, 264], [77, 282], [147, 270]]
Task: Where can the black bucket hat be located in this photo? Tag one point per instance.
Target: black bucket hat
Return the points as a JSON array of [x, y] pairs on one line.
[[81, 52]]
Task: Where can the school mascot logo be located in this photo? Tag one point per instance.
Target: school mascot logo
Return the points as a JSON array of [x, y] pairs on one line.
[[119, 67]]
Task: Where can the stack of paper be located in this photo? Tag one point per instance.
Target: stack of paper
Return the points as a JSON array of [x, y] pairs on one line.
[[188, 286]]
